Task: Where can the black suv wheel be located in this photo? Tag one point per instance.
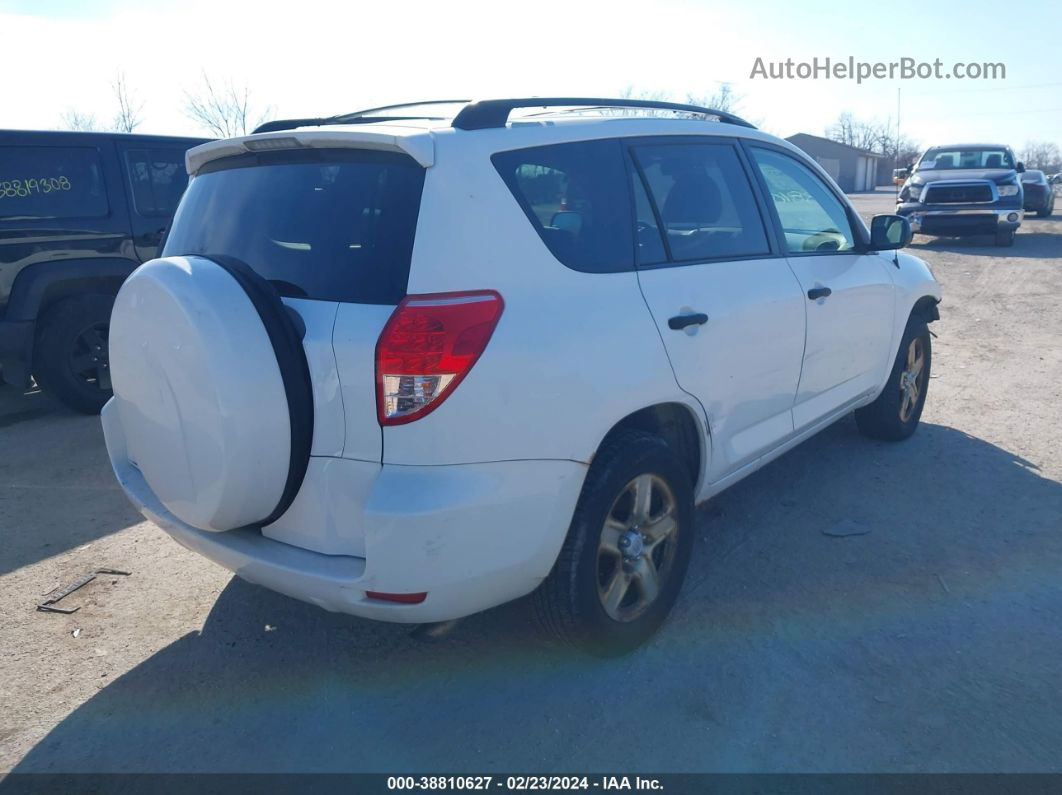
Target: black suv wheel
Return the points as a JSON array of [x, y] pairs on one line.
[[70, 357]]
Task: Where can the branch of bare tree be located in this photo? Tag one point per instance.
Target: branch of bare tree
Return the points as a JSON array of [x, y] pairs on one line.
[[1043, 155], [224, 109], [72, 119], [873, 135], [128, 117]]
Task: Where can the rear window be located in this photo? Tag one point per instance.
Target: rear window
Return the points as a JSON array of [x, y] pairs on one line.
[[576, 197], [44, 182], [328, 225], [157, 178]]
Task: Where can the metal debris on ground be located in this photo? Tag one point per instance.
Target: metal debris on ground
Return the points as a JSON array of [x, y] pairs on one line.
[[846, 528], [49, 604]]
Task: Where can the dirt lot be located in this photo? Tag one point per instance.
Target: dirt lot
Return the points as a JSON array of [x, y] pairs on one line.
[[931, 643]]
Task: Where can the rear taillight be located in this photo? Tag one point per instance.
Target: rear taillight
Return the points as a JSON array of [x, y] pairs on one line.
[[428, 345]]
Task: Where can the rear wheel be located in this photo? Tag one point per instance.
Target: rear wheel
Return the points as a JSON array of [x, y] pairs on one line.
[[1048, 209], [628, 547], [70, 357], [895, 414]]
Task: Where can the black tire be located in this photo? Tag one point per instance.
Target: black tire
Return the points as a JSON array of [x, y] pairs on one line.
[[1046, 212], [70, 360], [886, 417], [567, 604], [1005, 238]]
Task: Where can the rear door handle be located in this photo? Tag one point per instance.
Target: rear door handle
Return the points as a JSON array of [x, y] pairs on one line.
[[681, 321], [819, 292]]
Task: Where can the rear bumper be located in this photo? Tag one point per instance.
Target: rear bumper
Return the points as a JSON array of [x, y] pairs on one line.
[[472, 536], [16, 348], [969, 220]]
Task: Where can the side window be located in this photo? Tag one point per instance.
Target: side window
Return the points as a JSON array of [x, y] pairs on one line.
[[157, 178], [575, 195], [812, 217], [44, 182], [704, 200]]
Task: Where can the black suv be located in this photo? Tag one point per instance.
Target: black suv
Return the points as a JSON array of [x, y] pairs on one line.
[[78, 212], [964, 189]]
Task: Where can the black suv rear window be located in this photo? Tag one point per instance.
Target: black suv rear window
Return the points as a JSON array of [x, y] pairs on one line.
[[40, 182], [323, 224], [576, 196], [158, 179]]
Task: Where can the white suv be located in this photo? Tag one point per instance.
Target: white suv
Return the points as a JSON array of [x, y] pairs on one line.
[[411, 367]]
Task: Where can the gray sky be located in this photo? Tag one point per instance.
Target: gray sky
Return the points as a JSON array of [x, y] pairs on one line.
[[311, 57]]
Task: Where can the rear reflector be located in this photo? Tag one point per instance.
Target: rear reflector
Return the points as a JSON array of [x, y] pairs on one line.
[[428, 345], [402, 598]]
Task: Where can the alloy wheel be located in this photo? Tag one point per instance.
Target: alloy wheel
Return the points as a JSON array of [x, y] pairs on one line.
[[912, 379], [637, 549]]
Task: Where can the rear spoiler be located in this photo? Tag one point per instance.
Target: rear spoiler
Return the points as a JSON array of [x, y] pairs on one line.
[[419, 145]]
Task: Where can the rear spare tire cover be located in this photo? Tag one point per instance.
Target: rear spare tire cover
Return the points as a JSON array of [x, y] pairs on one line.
[[212, 390]]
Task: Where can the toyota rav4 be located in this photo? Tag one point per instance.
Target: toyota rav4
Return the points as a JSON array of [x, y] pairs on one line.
[[409, 365]]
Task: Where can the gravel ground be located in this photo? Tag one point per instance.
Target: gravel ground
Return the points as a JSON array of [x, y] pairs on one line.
[[931, 643]]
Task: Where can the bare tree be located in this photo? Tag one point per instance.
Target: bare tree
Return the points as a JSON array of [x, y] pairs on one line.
[[874, 135], [129, 109], [724, 99], [224, 109], [855, 132], [1043, 155], [73, 119]]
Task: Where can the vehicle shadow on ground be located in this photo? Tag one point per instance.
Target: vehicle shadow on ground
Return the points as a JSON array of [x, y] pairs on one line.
[[1027, 245], [54, 478], [929, 643]]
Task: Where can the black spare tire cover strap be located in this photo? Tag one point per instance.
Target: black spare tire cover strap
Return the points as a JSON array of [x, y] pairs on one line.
[[294, 370]]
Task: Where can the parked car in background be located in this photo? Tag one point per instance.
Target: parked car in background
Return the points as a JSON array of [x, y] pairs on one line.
[[964, 189], [78, 212], [523, 355], [1039, 194]]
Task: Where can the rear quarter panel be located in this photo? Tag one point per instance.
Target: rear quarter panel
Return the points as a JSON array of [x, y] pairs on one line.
[[573, 353]]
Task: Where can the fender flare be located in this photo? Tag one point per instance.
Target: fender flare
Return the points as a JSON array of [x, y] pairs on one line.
[[33, 281]]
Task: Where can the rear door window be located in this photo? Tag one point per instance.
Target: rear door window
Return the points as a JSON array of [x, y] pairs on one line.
[[576, 197], [704, 200], [157, 178], [324, 224], [47, 182]]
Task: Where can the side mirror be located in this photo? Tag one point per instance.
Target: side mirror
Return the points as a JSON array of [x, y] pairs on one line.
[[901, 173], [1021, 167], [889, 232]]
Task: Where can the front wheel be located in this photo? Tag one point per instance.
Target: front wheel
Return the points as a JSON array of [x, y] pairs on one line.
[[895, 414], [623, 562]]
